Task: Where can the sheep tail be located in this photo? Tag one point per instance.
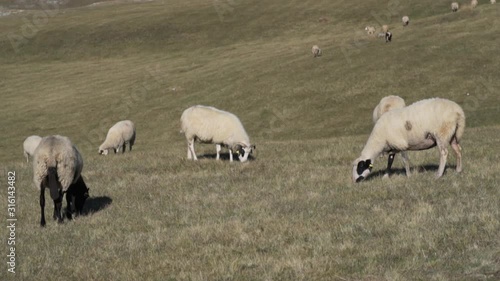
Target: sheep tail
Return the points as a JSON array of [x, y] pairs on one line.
[[53, 183]]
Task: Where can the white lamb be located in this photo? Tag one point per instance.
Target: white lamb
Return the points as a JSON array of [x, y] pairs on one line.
[[420, 126], [57, 165], [405, 20], [118, 136], [316, 51], [29, 146], [370, 30], [473, 4], [454, 6], [211, 125], [386, 104]]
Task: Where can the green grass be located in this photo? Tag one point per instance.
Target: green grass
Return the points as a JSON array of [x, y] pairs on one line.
[[290, 214]]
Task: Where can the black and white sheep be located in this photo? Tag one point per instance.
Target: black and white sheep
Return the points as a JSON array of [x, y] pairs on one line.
[[316, 51], [419, 126], [388, 36], [207, 124], [29, 146], [118, 136], [57, 165], [454, 6], [405, 20]]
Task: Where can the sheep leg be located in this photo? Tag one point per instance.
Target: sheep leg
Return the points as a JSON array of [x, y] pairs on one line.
[[42, 206], [57, 209], [27, 157], [230, 155], [389, 165], [406, 163], [218, 149], [442, 160], [458, 152], [191, 150], [69, 209]]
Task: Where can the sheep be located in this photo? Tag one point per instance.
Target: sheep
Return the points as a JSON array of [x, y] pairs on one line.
[[386, 104], [419, 126], [454, 6], [57, 165], [316, 51], [29, 145], [370, 30], [211, 125], [118, 136], [405, 20], [493, 1], [385, 28], [473, 4], [388, 36]]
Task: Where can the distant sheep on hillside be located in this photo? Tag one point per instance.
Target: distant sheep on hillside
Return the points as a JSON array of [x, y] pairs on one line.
[[419, 126], [388, 36], [493, 1], [454, 6], [316, 51], [473, 4], [370, 30], [118, 136], [211, 125], [385, 28], [405, 20], [29, 146]]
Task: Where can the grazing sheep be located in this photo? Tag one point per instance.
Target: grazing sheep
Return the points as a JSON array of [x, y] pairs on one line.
[[386, 104], [210, 125], [370, 30], [316, 51], [388, 36], [405, 20], [118, 136], [385, 28], [493, 1], [29, 145], [473, 4], [454, 6], [420, 126], [57, 165]]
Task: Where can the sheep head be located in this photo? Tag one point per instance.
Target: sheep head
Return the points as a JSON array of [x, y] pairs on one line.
[[361, 169], [103, 151], [243, 151]]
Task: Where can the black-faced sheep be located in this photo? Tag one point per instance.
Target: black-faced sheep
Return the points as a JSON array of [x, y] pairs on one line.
[[388, 36], [29, 146], [420, 126], [370, 30], [386, 104], [210, 125], [405, 20], [454, 6], [118, 136], [57, 165]]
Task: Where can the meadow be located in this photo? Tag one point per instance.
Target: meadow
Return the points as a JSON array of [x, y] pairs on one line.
[[292, 212]]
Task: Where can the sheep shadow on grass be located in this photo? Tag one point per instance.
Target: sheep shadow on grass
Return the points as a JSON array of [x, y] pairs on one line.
[[96, 204], [414, 171], [223, 157]]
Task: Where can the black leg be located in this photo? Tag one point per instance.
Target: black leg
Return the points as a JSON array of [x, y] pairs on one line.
[[42, 206], [389, 163], [69, 208], [57, 208]]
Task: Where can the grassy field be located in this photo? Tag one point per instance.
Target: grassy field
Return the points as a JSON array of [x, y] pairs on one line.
[[292, 213]]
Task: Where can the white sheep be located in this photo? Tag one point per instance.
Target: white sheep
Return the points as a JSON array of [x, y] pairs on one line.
[[57, 165], [385, 28], [493, 1], [386, 104], [405, 20], [473, 4], [118, 136], [419, 126], [29, 146], [370, 30], [454, 6], [211, 125], [316, 51]]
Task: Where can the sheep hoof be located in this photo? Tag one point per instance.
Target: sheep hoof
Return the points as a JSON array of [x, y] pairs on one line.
[[386, 176]]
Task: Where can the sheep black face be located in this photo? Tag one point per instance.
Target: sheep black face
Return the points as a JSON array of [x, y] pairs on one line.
[[244, 151], [76, 196], [361, 170], [103, 151]]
